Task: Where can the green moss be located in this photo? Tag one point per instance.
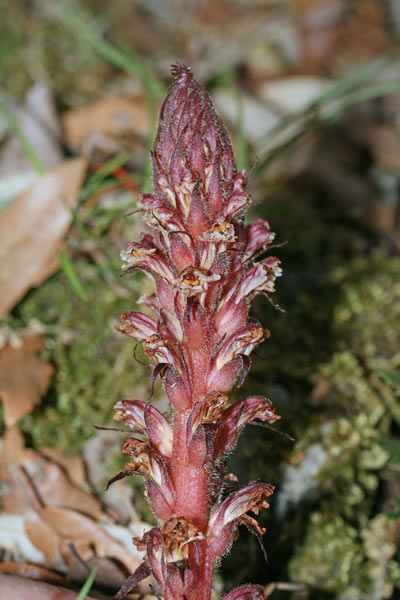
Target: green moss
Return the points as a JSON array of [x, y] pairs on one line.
[[321, 369], [330, 554], [94, 365], [33, 45], [353, 417]]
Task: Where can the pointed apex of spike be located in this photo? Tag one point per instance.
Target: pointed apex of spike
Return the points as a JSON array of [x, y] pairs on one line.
[[192, 152], [181, 73]]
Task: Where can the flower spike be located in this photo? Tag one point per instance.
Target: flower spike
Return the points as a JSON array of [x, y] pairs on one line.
[[199, 339]]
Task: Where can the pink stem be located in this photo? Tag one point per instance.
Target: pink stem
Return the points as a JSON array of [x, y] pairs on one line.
[[190, 482]]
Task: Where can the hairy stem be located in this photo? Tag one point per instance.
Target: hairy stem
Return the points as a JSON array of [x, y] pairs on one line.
[[190, 481]]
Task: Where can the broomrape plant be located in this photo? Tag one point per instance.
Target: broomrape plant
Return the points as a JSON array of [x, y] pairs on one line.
[[201, 258]]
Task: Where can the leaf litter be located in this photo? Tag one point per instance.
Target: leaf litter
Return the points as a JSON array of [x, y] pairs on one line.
[[24, 378], [50, 518], [32, 229], [35, 143]]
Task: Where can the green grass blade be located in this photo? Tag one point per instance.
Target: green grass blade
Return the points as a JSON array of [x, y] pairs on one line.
[[242, 151], [330, 106], [370, 92], [350, 89], [354, 79], [68, 267], [19, 134], [108, 167], [129, 62], [95, 181], [87, 585]]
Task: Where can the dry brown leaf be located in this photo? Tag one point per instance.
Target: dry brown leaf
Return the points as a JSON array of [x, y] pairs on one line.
[[66, 539], [56, 490], [44, 538], [31, 572], [112, 118], [24, 378], [109, 573], [32, 228], [39, 122], [18, 495], [34, 481], [86, 536], [72, 465], [72, 558], [119, 497], [18, 588]]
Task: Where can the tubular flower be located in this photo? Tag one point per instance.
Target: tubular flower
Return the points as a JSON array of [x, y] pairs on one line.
[[203, 261]]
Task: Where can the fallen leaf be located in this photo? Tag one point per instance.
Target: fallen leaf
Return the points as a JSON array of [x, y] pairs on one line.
[[20, 588], [32, 228], [72, 465], [31, 571], [86, 536], [119, 497], [258, 119], [44, 538], [54, 532], [109, 573], [38, 121], [14, 542], [34, 481], [72, 557], [18, 495], [24, 378], [98, 124], [292, 94], [14, 184]]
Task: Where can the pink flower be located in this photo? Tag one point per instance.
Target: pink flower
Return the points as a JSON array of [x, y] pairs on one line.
[[228, 514], [137, 325], [145, 418], [251, 410]]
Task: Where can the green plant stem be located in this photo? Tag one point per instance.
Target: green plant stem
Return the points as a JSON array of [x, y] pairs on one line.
[[68, 267], [87, 585], [19, 134], [129, 62]]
